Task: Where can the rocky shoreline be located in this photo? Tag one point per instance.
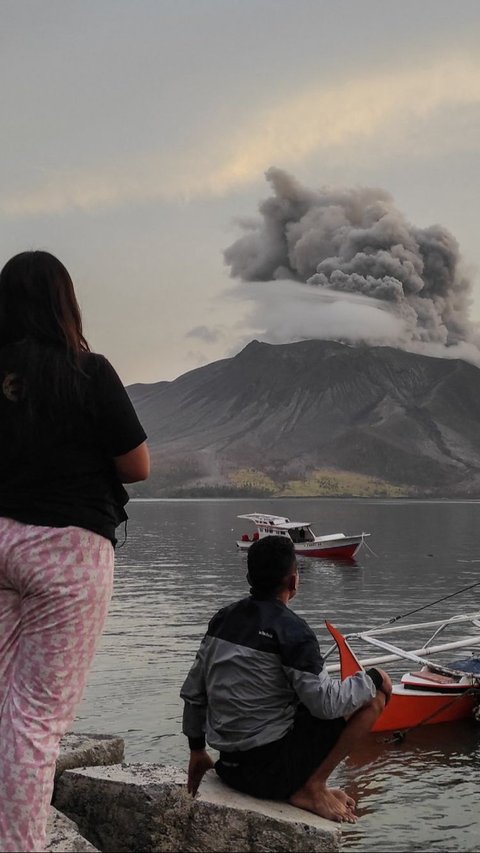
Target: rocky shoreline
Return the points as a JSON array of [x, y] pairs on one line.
[[103, 804]]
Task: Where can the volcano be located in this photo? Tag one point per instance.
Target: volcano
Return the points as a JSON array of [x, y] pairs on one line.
[[336, 418]]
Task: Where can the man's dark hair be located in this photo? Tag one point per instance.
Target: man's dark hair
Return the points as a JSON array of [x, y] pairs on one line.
[[270, 561]]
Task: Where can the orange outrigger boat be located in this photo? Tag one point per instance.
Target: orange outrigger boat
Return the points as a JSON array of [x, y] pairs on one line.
[[435, 694]]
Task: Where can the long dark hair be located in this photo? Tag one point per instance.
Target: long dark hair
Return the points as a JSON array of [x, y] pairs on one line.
[[41, 335]]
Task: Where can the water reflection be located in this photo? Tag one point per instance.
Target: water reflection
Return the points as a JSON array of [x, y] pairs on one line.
[[422, 789]]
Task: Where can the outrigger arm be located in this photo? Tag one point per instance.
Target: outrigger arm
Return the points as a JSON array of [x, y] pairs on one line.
[[418, 656]]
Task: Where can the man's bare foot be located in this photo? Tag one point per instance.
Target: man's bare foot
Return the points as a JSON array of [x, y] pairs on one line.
[[344, 798], [324, 802], [348, 802]]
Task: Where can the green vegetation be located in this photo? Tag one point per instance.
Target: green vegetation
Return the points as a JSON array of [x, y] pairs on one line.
[[182, 479], [330, 483], [322, 482], [215, 491], [251, 480]]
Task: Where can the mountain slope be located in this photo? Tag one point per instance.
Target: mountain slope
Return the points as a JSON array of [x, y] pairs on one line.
[[288, 410]]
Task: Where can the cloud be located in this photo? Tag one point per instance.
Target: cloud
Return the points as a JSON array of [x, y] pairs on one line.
[[325, 118], [207, 334], [321, 118], [288, 311]]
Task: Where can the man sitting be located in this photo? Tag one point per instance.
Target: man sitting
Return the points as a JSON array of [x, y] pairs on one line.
[[259, 691]]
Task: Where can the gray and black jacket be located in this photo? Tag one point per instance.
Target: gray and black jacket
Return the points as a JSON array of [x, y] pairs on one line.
[[257, 662]]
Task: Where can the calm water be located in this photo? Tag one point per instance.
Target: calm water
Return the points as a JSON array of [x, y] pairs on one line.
[[180, 564]]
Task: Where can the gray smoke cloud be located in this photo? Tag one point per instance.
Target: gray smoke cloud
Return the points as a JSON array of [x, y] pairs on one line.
[[346, 241]]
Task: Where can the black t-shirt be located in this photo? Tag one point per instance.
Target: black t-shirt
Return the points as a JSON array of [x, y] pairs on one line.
[[61, 472]]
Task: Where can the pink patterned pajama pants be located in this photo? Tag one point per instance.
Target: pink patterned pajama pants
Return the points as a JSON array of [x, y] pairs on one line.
[[55, 587]]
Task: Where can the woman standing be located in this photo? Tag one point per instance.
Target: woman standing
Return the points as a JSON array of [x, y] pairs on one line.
[[69, 439]]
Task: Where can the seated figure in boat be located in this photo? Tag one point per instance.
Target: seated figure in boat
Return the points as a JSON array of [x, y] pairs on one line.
[[299, 534], [259, 693]]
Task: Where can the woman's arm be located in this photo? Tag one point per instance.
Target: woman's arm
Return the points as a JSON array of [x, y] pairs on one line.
[[133, 466]]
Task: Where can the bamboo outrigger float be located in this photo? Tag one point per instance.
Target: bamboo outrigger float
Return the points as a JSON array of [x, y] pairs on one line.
[[437, 693]]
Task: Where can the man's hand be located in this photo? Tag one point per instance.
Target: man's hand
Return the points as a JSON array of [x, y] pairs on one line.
[[198, 765], [387, 686]]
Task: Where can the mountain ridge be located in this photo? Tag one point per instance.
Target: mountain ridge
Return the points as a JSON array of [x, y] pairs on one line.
[[406, 421]]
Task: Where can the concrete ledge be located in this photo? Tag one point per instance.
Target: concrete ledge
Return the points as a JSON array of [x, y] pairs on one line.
[[63, 836], [89, 750], [248, 824], [146, 808]]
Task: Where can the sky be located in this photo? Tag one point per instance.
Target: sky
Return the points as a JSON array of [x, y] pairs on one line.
[[136, 136]]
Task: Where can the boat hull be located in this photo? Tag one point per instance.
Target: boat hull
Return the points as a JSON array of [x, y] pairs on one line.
[[344, 549], [409, 708]]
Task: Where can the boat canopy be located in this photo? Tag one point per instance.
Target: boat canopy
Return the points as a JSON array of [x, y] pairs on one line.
[[274, 521]]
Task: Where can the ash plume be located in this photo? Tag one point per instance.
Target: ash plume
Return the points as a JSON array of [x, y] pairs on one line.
[[353, 242]]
